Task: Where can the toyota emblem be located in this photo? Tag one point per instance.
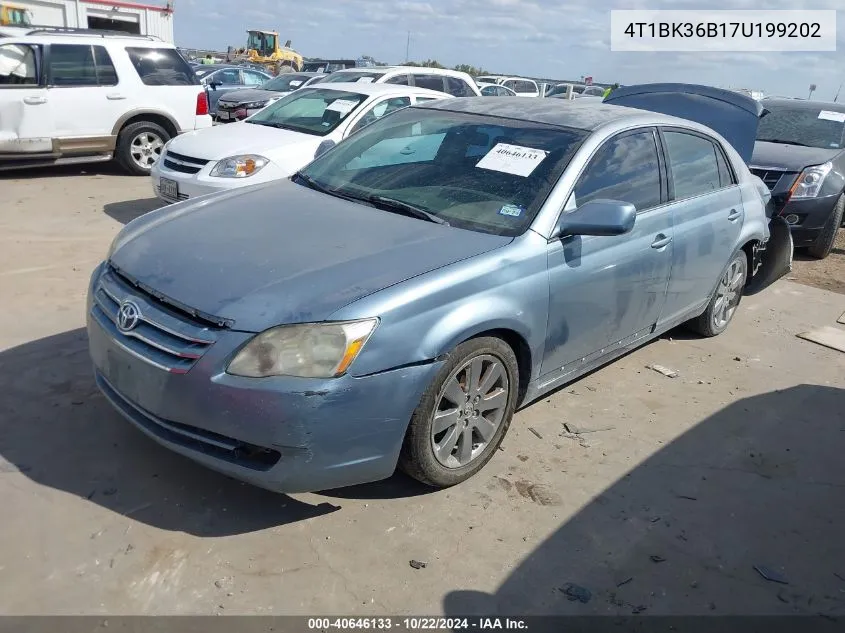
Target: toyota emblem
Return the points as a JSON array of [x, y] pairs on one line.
[[128, 316]]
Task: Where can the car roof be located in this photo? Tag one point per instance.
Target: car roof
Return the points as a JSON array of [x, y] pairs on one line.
[[46, 37], [377, 89], [588, 116], [409, 69], [804, 103]]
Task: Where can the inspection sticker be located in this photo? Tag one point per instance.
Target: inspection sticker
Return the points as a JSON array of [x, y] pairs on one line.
[[829, 115], [295, 83], [512, 210], [364, 80], [344, 106], [512, 159]]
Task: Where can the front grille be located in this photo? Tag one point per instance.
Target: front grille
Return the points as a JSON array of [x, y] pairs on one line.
[[183, 164], [164, 337], [771, 177]]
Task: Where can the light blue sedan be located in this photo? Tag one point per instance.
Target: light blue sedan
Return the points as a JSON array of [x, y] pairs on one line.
[[396, 300]]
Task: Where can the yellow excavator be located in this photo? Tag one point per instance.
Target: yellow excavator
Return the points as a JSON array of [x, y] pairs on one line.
[[13, 15], [262, 47]]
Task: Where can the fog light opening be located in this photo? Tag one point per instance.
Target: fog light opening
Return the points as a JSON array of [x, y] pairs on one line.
[[792, 219]]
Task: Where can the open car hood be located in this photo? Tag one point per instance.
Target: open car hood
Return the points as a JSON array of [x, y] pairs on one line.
[[733, 115]]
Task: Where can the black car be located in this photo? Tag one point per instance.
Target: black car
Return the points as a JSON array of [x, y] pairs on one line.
[[239, 104], [800, 155]]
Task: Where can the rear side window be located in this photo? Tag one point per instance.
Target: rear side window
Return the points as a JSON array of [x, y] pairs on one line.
[[161, 67], [525, 87], [431, 82], [625, 168], [726, 176], [399, 80], [692, 161], [457, 87]]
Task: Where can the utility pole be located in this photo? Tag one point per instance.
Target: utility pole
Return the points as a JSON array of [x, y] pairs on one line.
[[408, 48]]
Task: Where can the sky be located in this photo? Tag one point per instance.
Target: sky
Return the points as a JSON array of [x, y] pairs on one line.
[[538, 38]]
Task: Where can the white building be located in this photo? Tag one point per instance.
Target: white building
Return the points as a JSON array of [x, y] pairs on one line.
[[132, 17]]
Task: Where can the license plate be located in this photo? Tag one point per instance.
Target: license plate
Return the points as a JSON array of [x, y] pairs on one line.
[[223, 116], [169, 188], [240, 114]]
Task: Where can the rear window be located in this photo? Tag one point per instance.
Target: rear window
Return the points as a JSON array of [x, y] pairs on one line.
[[161, 67], [357, 76], [458, 87]]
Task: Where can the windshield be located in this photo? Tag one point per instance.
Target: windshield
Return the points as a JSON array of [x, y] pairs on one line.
[[310, 110], [202, 72], [285, 83], [361, 76], [481, 173], [811, 127]]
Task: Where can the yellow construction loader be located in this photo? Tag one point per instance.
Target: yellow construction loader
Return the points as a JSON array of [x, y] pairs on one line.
[[13, 15], [262, 47]]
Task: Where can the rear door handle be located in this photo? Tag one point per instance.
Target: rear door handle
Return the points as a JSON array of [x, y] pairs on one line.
[[733, 216], [660, 241], [35, 100], [115, 97]]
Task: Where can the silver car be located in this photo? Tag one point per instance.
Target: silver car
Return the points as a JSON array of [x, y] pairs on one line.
[[396, 300]]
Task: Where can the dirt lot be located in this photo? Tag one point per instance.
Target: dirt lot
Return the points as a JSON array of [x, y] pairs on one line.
[[693, 482], [828, 274]]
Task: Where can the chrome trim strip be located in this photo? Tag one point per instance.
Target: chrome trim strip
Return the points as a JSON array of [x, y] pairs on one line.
[[129, 350]]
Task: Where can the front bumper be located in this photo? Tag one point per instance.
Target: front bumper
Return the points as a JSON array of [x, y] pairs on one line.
[[812, 215], [284, 434]]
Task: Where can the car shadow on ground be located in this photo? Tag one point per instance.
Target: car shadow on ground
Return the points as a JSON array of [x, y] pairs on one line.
[[127, 210], [56, 429], [754, 490]]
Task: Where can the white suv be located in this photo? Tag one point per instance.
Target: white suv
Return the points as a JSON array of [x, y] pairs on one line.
[[78, 97], [453, 82]]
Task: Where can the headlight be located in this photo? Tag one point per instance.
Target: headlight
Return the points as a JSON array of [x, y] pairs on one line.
[[255, 104], [810, 181], [239, 166], [311, 350]]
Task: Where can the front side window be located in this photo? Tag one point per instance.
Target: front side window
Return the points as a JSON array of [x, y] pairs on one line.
[[310, 110], [227, 77], [18, 65], [379, 110], [525, 87], [161, 67], [400, 80], [692, 163], [354, 76], [481, 173], [625, 168], [802, 125], [253, 78]]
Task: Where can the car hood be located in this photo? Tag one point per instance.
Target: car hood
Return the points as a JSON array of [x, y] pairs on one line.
[[790, 157], [733, 115], [282, 253], [232, 139], [249, 95]]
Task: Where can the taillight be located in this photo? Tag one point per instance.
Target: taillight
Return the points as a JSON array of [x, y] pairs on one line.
[[202, 104]]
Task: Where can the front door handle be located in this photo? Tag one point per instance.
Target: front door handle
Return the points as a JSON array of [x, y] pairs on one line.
[[661, 240], [115, 97], [733, 216], [35, 100]]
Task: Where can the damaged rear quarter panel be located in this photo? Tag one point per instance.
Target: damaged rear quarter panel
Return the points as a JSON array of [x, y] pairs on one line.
[[426, 317]]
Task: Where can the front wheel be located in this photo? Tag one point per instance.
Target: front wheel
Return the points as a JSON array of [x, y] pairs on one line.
[[463, 414], [827, 238], [139, 146], [725, 301]]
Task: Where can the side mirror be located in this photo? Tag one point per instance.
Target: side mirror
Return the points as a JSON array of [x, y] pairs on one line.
[[598, 217], [324, 147]]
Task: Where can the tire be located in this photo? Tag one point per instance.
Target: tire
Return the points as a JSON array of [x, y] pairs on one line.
[[716, 318], [140, 144], [449, 465], [824, 242]]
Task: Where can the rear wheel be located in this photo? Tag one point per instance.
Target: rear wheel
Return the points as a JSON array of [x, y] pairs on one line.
[[139, 146], [725, 301], [827, 238], [463, 414]]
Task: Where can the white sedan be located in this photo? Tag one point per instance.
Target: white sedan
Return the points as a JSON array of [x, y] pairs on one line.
[[277, 141]]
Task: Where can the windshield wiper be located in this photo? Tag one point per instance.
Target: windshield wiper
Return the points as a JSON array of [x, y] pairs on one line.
[[389, 204], [783, 141], [316, 186], [279, 126]]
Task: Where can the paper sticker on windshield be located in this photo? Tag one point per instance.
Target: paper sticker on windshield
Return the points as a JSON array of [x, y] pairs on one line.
[[829, 115], [365, 80], [344, 106], [512, 159], [295, 83], [512, 210]]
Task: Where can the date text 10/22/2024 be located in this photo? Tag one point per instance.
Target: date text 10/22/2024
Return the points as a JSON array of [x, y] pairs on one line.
[[416, 624]]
